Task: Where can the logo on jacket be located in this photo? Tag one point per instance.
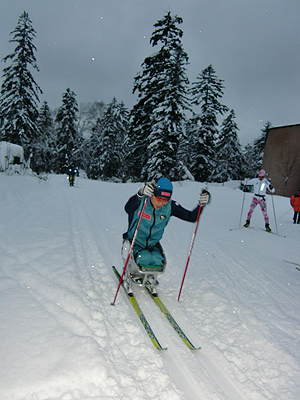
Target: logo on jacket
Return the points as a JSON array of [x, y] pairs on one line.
[[147, 216], [163, 217]]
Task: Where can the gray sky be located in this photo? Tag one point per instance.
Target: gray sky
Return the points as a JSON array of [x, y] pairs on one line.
[[96, 47]]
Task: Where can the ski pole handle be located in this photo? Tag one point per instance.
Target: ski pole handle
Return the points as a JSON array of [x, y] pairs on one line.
[[190, 251], [129, 252]]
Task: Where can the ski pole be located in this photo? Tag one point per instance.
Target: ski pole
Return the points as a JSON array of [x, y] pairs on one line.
[[190, 251], [128, 256], [245, 185], [285, 213], [274, 214]]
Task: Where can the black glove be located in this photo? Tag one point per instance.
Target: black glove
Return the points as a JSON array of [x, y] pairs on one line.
[[204, 197]]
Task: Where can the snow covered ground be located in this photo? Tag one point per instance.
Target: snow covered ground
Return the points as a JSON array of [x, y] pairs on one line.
[[60, 338]]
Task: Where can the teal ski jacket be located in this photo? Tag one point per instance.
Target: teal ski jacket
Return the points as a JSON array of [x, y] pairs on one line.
[[154, 221]]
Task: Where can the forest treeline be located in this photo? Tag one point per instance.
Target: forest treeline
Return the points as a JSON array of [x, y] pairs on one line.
[[176, 128]]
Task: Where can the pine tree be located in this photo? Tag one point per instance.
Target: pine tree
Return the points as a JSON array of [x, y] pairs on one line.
[[158, 117], [107, 156], [206, 92], [259, 143], [93, 148], [187, 142], [251, 164], [183, 153], [88, 117], [89, 122], [45, 143], [19, 91], [229, 156], [68, 142], [254, 152]]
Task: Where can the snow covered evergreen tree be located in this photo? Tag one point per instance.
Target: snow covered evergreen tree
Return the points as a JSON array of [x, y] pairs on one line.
[[44, 146], [158, 116], [229, 157], [88, 117], [68, 141], [107, 158], [254, 153], [19, 91], [89, 124], [206, 92], [93, 148], [186, 143], [259, 143], [251, 164], [184, 149]]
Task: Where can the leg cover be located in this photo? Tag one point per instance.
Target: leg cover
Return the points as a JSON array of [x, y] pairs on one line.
[[150, 257], [252, 207]]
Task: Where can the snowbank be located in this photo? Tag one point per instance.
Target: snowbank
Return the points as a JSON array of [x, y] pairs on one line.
[[60, 339]]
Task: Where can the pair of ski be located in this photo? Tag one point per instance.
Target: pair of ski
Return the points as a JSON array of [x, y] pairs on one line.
[[250, 227], [146, 324]]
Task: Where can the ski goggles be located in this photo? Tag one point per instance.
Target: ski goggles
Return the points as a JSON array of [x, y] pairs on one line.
[[161, 199]]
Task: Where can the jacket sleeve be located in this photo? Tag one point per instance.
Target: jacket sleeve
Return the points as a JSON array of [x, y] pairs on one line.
[[250, 182], [271, 190], [182, 213], [292, 201], [131, 205]]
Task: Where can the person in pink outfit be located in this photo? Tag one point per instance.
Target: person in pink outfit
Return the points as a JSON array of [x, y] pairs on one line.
[[261, 185]]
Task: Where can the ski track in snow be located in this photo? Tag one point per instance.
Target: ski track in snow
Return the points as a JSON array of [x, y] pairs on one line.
[[189, 364], [62, 340], [185, 371]]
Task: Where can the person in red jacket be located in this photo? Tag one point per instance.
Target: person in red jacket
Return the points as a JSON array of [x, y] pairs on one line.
[[295, 203]]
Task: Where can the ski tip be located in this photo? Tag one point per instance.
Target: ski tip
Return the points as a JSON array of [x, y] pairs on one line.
[[162, 348], [196, 348]]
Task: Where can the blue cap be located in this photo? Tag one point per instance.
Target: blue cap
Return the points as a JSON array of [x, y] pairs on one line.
[[164, 188]]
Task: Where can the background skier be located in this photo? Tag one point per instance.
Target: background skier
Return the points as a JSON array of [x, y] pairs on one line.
[[261, 185], [295, 203], [72, 172]]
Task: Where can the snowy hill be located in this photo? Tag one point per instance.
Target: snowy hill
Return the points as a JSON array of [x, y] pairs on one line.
[[60, 338]]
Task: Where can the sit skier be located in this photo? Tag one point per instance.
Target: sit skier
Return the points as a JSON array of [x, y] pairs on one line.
[[148, 258], [261, 185]]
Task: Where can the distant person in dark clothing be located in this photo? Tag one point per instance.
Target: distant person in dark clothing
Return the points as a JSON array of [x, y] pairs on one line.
[[72, 172]]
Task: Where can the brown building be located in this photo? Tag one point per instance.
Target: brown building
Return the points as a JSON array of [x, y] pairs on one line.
[[282, 159]]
